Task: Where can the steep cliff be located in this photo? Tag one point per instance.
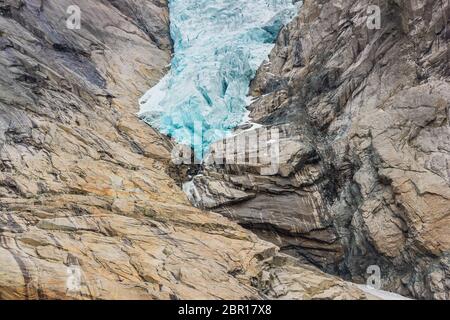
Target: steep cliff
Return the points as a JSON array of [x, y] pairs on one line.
[[362, 115], [87, 209]]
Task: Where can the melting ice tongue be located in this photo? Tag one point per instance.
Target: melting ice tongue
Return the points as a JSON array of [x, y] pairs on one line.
[[218, 46]]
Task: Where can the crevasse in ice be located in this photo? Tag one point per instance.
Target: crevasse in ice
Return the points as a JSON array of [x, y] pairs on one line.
[[218, 46]]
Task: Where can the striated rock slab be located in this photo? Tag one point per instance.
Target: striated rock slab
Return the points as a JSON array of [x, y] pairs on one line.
[[369, 183], [87, 209]]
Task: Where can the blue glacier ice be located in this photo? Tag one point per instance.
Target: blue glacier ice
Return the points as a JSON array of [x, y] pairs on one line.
[[218, 46]]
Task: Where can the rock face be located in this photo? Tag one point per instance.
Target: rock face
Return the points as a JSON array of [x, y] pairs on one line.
[[87, 210], [362, 116]]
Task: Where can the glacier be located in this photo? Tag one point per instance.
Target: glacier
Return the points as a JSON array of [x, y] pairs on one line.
[[218, 47]]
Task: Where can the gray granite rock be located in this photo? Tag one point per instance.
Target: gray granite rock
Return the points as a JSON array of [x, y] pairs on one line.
[[87, 207], [367, 182]]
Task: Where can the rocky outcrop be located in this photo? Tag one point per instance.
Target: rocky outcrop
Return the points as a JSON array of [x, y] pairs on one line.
[[87, 209], [363, 120]]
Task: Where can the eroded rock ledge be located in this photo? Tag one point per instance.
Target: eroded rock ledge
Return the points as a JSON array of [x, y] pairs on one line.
[[83, 183], [363, 116]]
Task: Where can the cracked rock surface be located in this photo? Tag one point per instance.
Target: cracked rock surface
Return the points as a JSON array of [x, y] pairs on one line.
[[364, 135], [84, 189]]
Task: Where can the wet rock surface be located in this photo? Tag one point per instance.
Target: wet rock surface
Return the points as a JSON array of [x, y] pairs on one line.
[[87, 208], [363, 117]]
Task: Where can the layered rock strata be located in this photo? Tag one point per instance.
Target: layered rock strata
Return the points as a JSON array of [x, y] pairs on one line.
[[87, 209], [362, 115]]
